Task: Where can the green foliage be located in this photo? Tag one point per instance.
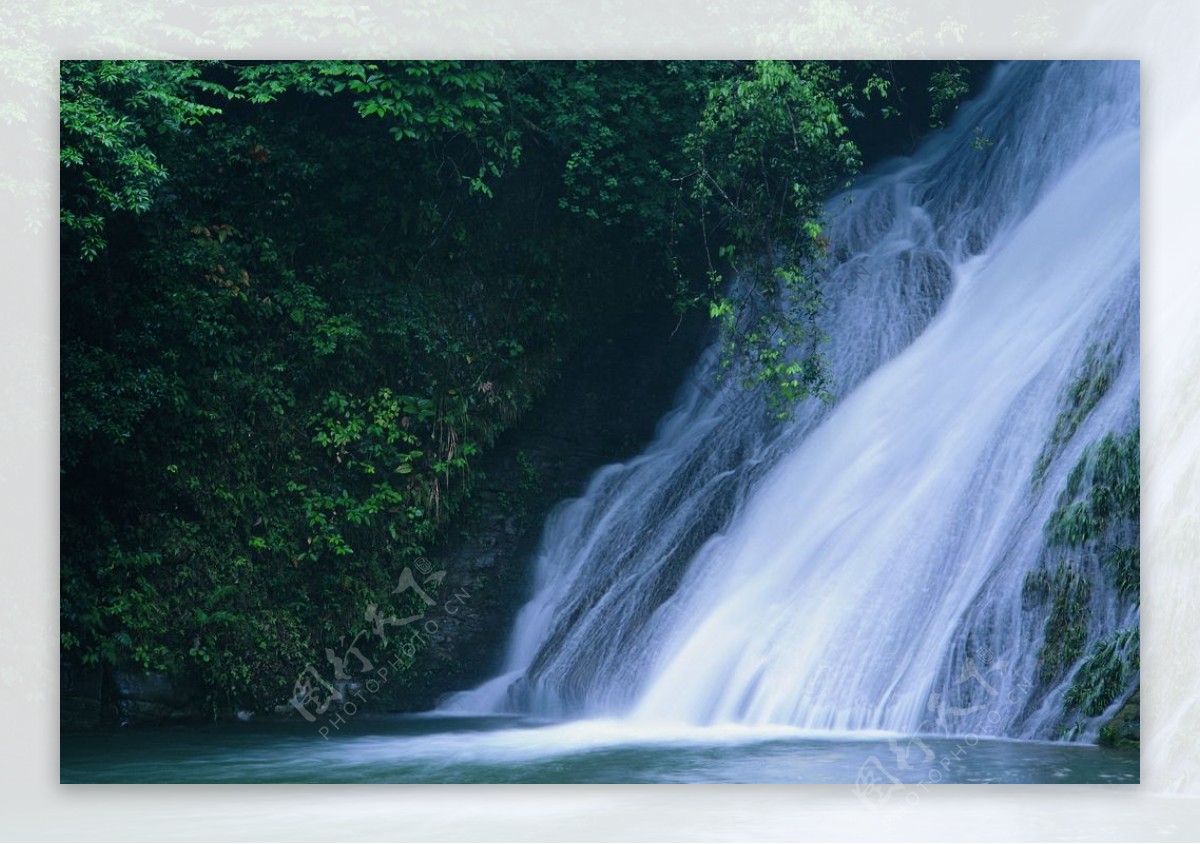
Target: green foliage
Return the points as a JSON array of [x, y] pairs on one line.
[[770, 145], [275, 384], [421, 101], [107, 111], [1125, 566], [1088, 385], [1095, 517], [981, 141], [1098, 507], [1101, 495], [738, 154], [617, 128], [1110, 469], [1069, 593], [1104, 675], [947, 88], [531, 479]]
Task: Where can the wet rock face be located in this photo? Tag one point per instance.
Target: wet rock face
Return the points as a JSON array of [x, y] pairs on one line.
[[1125, 728], [80, 692], [151, 696], [93, 695]]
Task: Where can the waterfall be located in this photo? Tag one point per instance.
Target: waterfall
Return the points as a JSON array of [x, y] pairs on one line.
[[866, 564]]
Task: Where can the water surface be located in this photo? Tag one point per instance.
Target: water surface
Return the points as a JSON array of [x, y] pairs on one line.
[[424, 749]]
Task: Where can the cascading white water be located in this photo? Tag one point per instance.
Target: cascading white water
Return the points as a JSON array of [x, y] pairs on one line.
[[862, 566]]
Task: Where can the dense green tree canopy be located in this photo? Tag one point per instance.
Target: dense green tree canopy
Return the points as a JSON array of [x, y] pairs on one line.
[[299, 299]]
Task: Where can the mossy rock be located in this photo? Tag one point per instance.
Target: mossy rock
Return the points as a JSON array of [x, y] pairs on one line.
[[1124, 728]]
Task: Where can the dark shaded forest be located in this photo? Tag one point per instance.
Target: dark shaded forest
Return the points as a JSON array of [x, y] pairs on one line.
[[300, 301]]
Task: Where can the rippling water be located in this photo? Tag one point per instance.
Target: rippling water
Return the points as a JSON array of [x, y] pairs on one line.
[[407, 749]]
